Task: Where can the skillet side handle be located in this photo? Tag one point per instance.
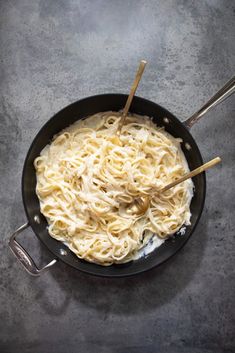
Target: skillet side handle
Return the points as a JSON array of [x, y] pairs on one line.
[[227, 90], [24, 258]]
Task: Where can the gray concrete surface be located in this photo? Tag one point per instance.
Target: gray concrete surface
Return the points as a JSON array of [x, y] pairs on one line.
[[55, 52]]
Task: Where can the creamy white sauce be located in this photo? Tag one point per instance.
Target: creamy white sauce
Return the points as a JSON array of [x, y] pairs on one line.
[[153, 243]]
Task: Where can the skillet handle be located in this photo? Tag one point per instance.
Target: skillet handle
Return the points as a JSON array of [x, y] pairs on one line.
[[24, 257], [222, 94]]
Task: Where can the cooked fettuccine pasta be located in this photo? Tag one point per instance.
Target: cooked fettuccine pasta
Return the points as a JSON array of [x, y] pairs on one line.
[[87, 179]]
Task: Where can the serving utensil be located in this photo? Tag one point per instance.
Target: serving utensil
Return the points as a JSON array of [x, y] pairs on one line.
[[134, 86], [141, 204]]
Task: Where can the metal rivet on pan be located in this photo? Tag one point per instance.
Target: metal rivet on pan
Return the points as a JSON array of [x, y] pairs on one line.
[[36, 219], [63, 252], [166, 120], [187, 146]]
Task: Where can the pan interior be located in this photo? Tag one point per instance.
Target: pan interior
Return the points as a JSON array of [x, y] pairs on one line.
[[81, 109]]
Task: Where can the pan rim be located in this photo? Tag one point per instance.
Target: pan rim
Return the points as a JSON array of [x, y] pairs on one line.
[[91, 271]]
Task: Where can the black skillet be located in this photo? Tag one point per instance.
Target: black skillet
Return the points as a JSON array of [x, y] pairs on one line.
[[81, 109]]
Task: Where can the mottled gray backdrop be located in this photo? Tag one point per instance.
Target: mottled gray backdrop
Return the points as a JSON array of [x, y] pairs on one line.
[[55, 52]]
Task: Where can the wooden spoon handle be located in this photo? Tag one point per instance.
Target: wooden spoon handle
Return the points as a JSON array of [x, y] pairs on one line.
[[193, 173], [131, 95]]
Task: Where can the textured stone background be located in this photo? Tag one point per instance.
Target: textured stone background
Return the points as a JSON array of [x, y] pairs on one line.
[[55, 52]]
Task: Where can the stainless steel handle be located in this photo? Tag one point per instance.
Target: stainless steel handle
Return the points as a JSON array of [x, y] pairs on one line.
[[24, 257], [221, 95]]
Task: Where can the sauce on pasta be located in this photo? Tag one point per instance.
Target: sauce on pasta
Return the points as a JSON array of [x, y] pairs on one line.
[[86, 179]]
